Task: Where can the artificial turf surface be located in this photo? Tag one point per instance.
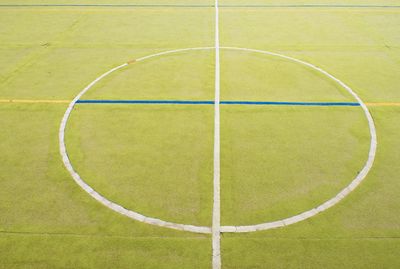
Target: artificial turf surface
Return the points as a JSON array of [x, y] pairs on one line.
[[47, 221]]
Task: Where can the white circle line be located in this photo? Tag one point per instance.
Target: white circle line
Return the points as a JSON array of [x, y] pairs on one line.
[[172, 51], [203, 229]]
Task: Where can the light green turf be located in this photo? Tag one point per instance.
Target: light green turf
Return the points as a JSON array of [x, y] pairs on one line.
[[38, 194], [361, 232], [246, 76], [153, 160], [310, 253], [62, 57], [61, 251], [308, 2], [372, 209], [360, 47], [282, 161], [135, 2], [79, 27], [211, 2], [187, 75], [47, 221]]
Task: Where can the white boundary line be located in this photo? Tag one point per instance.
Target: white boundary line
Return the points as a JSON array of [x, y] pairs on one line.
[[201, 229], [216, 222]]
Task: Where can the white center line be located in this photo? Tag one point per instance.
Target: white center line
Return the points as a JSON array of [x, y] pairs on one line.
[[216, 224]]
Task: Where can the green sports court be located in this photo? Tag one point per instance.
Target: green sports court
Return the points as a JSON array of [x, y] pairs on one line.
[[215, 134]]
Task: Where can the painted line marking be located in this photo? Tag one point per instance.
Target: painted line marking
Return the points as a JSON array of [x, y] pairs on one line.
[[235, 229], [190, 102], [202, 102], [289, 103], [174, 102], [216, 221]]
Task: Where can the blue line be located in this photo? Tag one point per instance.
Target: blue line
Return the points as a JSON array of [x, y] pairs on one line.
[[178, 102], [174, 102], [290, 103]]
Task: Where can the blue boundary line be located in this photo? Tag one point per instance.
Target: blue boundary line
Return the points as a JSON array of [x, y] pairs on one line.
[[179, 102], [174, 102], [290, 103]]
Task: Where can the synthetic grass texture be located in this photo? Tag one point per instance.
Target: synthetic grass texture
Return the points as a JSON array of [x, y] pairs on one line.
[[53, 53], [310, 253], [68, 51], [141, 2], [363, 230], [307, 2], [259, 77], [47, 221], [156, 160], [186, 75], [63, 251], [313, 153], [360, 47]]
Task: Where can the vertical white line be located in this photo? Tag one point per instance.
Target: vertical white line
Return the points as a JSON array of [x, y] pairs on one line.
[[216, 224]]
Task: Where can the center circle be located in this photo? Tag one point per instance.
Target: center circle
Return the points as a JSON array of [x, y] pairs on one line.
[[277, 223]]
